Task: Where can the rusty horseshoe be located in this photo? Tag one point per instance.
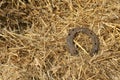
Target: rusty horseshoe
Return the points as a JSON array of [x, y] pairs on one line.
[[72, 34]]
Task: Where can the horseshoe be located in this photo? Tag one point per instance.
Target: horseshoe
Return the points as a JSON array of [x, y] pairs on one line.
[[72, 34]]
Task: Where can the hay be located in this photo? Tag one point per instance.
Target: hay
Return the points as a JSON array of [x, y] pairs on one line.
[[33, 39]]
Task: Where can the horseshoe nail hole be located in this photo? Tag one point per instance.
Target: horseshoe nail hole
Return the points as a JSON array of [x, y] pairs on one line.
[[77, 46], [69, 34], [91, 33], [72, 29], [76, 51], [95, 43]]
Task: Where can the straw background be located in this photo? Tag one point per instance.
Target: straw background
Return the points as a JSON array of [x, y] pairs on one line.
[[33, 39]]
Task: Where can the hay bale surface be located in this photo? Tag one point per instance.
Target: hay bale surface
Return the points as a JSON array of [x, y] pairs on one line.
[[33, 39]]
